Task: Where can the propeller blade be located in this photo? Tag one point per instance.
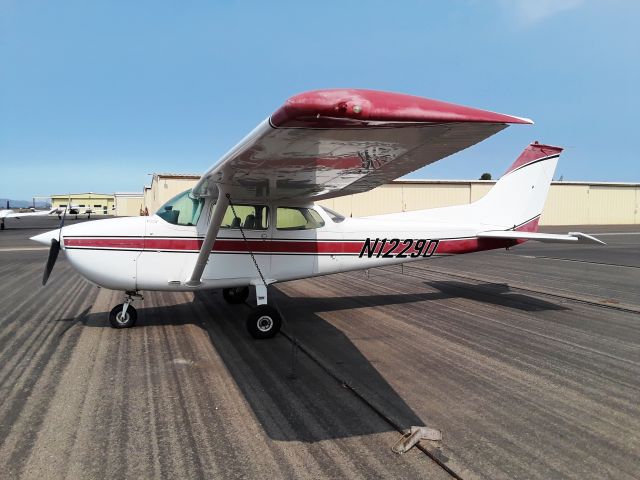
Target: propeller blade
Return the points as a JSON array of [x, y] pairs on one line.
[[64, 214], [51, 261]]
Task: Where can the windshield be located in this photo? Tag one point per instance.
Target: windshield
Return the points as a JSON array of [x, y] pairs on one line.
[[183, 209]]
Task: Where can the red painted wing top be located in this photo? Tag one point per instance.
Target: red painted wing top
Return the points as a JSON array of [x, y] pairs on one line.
[[363, 107], [329, 143]]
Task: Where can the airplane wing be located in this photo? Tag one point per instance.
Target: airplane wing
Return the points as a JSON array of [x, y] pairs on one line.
[[571, 237], [18, 215], [329, 143]]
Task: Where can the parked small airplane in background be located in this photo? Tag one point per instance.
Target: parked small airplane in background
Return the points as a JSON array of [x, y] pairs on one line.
[[32, 212], [76, 210], [251, 221]]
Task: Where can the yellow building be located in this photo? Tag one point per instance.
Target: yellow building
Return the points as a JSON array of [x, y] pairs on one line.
[[99, 203], [128, 204], [569, 203], [164, 186]]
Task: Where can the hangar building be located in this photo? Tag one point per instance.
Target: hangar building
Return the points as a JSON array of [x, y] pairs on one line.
[[128, 204], [101, 203], [569, 203], [164, 186]]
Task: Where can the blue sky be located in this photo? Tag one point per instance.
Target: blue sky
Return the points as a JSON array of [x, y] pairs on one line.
[[96, 95]]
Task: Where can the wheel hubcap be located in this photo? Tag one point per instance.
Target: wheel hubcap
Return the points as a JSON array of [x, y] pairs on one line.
[[265, 323], [122, 320]]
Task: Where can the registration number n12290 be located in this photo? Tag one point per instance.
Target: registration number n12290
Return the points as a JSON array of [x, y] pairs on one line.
[[396, 248]]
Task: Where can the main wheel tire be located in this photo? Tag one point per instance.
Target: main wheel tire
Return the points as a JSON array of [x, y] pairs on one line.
[[116, 319], [236, 295], [264, 321]]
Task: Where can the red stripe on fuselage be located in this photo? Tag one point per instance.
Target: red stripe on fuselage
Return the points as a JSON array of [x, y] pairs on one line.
[[338, 247], [102, 242]]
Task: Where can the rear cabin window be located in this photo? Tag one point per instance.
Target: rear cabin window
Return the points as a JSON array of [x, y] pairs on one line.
[[183, 209], [249, 217], [293, 218]]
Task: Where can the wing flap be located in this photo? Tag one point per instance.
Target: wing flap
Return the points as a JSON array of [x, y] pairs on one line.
[[571, 237]]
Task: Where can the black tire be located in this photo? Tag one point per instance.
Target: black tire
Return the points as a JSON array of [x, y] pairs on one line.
[[236, 295], [263, 322], [115, 317]]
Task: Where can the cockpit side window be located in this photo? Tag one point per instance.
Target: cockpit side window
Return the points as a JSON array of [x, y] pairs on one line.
[[183, 209], [249, 217], [295, 218]]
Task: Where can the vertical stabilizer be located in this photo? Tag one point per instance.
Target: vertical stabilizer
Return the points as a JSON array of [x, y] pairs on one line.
[[517, 199]]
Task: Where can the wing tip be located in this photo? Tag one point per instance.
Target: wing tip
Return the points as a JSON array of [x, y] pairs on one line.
[[523, 120]]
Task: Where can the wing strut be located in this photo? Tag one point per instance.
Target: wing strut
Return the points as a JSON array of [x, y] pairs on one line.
[[209, 239]]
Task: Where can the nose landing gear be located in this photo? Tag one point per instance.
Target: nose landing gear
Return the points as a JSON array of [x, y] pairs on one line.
[[124, 315]]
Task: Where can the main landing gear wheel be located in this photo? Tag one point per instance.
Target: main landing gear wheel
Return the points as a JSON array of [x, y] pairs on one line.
[[264, 321], [127, 320], [236, 295]]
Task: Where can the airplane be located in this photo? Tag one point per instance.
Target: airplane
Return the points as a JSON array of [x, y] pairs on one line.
[[8, 213], [76, 210], [251, 220]]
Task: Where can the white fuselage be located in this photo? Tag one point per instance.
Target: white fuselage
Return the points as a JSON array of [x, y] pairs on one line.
[[148, 253]]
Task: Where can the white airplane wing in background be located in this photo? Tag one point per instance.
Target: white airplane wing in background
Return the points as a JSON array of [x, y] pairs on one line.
[[330, 143], [18, 215]]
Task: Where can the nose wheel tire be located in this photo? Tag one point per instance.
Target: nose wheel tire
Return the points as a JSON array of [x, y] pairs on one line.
[[127, 320], [264, 321], [236, 295]]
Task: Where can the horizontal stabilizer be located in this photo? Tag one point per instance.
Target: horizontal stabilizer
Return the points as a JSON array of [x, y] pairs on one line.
[[571, 237]]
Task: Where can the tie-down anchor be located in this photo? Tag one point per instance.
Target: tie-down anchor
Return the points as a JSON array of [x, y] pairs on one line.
[[413, 436]]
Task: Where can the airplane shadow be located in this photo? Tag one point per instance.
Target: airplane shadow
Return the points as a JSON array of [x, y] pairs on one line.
[[495, 294], [291, 394], [292, 397], [281, 382]]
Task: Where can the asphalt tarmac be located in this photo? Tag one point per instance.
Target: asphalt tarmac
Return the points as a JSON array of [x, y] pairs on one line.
[[527, 360]]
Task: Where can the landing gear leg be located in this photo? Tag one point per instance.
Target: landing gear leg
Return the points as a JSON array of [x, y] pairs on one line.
[[263, 321], [124, 315], [2, 224]]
